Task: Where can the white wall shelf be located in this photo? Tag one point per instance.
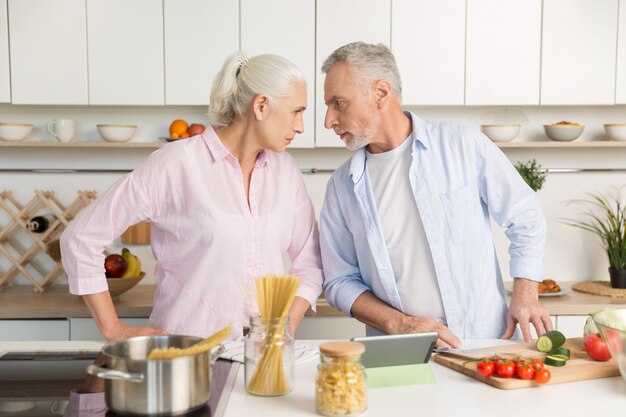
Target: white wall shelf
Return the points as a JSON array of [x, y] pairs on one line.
[[154, 145]]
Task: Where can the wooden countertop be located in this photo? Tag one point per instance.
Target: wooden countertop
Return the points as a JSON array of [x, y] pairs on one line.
[[21, 302]]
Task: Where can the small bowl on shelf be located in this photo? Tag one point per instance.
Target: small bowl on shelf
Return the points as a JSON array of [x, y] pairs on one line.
[[118, 286], [564, 131], [117, 133], [15, 131], [616, 131], [501, 133]]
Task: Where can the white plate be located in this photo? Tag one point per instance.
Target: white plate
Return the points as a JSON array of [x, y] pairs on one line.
[[550, 294]]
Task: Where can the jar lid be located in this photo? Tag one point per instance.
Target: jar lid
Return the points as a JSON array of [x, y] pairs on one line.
[[342, 349]]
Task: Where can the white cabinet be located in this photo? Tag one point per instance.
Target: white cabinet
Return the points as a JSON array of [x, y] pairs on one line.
[[48, 50], [293, 38], [340, 22], [571, 326], [86, 328], [578, 52], [428, 41], [199, 35], [5, 82], [14, 330], [125, 41], [620, 88], [503, 52], [328, 328]]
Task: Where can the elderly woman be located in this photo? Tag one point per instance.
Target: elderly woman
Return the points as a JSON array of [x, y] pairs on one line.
[[224, 206]]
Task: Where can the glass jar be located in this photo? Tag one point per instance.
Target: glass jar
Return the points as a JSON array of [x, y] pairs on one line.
[[269, 357], [340, 384]]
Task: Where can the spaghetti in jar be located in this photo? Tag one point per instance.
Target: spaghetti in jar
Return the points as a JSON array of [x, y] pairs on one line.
[[340, 384]]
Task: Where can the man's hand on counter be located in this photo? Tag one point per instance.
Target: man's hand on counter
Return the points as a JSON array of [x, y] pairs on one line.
[[525, 309]]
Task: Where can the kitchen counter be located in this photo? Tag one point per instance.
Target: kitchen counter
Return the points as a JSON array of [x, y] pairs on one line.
[[21, 302]]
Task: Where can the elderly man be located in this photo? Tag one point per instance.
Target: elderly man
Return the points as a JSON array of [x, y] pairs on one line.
[[404, 231]]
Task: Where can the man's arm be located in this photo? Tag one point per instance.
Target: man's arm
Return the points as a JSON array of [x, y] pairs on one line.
[[374, 312], [525, 308]]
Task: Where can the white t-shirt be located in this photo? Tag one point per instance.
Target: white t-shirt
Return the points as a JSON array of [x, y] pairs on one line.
[[410, 255]]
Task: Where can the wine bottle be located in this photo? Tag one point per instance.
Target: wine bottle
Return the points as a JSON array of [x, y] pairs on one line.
[[40, 224]]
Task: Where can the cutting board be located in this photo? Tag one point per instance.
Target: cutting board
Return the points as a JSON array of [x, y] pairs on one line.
[[578, 368], [138, 234]]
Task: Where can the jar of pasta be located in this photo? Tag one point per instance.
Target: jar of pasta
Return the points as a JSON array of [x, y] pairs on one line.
[[269, 367], [340, 385]]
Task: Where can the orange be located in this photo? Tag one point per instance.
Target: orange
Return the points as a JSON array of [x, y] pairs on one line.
[[179, 127], [184, 135]]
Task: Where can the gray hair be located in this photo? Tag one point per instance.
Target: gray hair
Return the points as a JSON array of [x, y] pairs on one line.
[[371, 63], [242, 78]]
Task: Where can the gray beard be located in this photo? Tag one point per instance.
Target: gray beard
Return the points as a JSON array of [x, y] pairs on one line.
[[362, 140]]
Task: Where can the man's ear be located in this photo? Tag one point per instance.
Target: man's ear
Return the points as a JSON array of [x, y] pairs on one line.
[[260, 106], [383, 91]]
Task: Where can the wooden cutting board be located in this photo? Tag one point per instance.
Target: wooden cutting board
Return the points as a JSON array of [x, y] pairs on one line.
[[578, 368], [138, 234]]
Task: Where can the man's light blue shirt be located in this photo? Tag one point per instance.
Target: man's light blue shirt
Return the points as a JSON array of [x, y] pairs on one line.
[[459, 179]]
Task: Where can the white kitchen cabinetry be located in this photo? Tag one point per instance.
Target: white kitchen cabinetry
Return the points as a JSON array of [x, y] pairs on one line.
[[503, 52], [5, 81], [48, 50], [199, 35], [293, 38], [321, 328], [620, 88], [578, 52], [125, 41], [340, 22], [86, 328], [571, 326], [428, 41], [12, 330]]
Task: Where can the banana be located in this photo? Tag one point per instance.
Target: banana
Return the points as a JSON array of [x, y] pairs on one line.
[[134, 265]]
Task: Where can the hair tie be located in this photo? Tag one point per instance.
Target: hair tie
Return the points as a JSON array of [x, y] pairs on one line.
[[243, 60]]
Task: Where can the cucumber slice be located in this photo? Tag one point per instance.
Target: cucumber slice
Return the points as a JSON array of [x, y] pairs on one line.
[[555, 360], [561, 352], [550, 340]]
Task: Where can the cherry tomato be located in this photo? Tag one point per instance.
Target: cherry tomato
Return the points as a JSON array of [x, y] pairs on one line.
[[596, 347], [485, 367], [537, 364], [542, 376], [525, 371], [505, 369]]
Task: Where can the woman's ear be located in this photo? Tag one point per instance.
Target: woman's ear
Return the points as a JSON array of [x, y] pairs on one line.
[[260, 106]]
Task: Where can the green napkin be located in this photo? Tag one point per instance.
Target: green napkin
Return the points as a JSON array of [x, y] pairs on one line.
[[393, 376]]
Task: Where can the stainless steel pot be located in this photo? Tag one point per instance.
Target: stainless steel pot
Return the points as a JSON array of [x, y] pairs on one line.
[[135, 385]]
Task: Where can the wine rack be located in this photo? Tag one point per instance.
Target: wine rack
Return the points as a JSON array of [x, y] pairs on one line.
[[26, 258]]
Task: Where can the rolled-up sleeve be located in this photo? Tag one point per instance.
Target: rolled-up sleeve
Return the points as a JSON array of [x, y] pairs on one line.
[[342, 279]]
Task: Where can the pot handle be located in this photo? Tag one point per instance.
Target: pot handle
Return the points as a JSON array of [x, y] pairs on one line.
[[113, 374], [215, 355]]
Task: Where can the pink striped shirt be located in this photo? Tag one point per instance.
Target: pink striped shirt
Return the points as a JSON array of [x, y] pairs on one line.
[[208, 243]]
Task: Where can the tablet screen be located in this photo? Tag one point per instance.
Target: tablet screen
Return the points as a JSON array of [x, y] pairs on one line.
[[392, 350]]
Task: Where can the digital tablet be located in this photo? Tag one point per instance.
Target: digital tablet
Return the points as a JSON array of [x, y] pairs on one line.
[[401, 349]]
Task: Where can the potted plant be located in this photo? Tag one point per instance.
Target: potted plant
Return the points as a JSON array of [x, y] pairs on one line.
[[532, 173], [606, 217]]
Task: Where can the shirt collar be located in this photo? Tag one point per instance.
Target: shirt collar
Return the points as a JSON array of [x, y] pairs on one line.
[[418, 134], [218, 151]]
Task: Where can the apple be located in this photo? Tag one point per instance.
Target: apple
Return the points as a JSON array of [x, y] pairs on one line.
[[195, 129], [115, 266]]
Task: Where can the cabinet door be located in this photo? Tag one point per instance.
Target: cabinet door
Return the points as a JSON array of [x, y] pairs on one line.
[[16, 330], [503, 52], [428, 40], [620, 89], [578, 52], [340, 22], [199, 35], [125, 52], [571, 326], [5, 85], [293, 38], [48, 49]]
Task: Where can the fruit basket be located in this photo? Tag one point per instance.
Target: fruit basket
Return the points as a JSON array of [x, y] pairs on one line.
[[118, 286]]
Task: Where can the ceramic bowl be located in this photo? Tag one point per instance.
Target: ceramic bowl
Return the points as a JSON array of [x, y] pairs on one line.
[[563, 132], [117, 133], [118, 286], [14, 131], [612, 325], [501, 133], [616, 131]]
